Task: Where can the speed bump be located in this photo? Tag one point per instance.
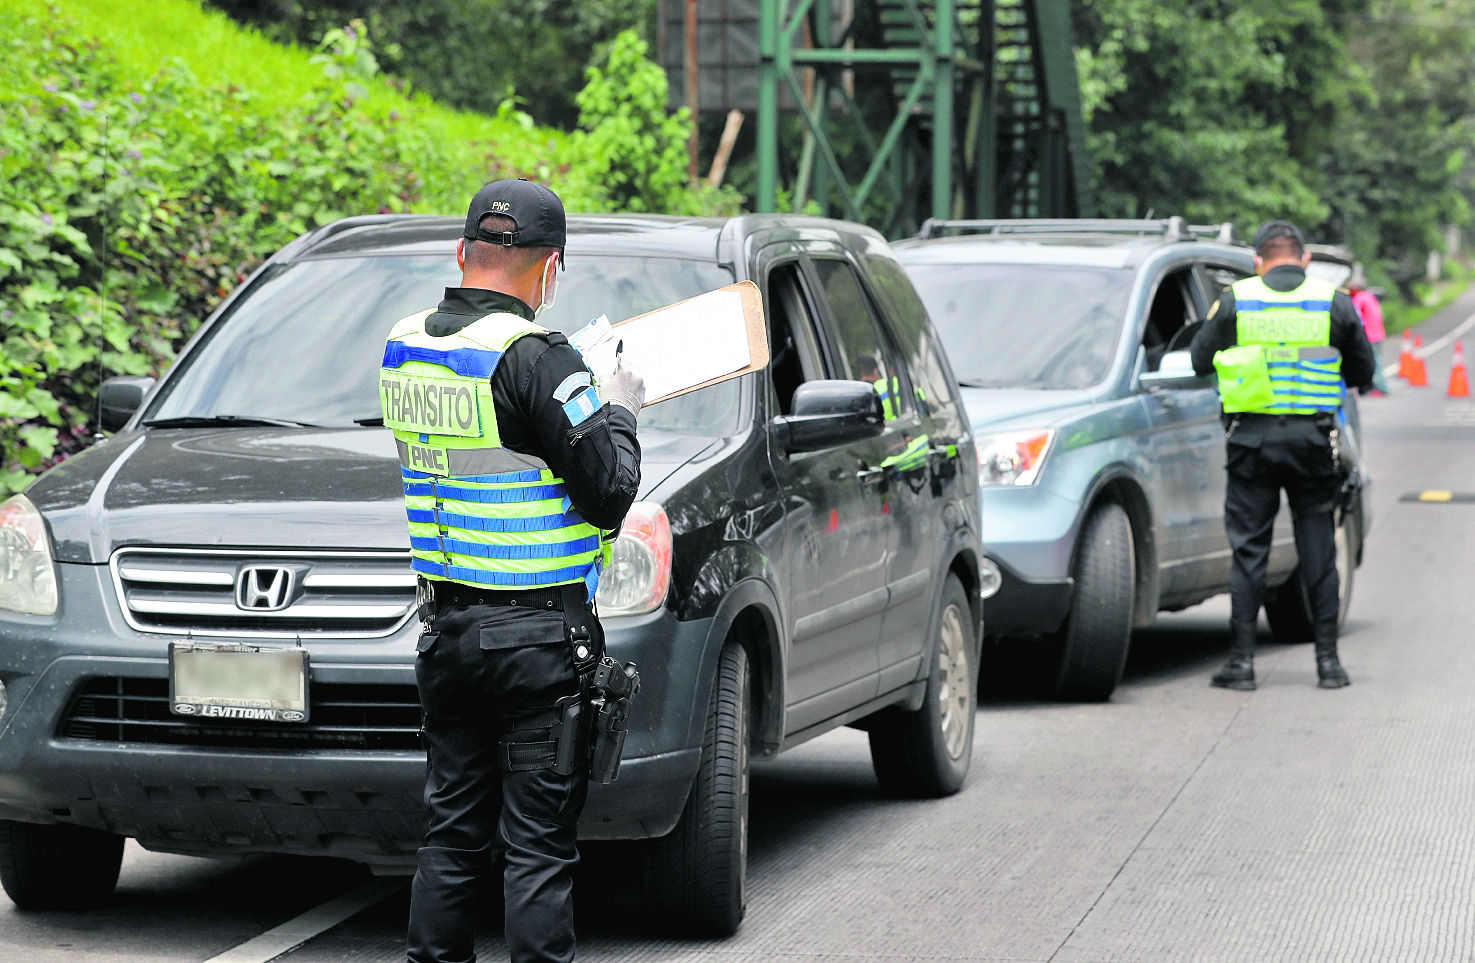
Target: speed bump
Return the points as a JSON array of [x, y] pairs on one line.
[[1438, 496]]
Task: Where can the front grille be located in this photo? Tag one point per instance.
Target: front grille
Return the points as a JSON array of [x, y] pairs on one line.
[[343, 716], [265, 594]]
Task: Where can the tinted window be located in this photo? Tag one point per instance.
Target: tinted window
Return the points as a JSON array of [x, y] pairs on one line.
[[1026, 325], [306, 342], [910, 325], [855, 344]]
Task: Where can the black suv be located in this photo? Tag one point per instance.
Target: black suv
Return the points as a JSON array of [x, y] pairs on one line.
[[801, 557]]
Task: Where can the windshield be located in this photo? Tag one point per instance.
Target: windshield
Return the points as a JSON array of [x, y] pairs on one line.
[[304, 345], [1026, 325]]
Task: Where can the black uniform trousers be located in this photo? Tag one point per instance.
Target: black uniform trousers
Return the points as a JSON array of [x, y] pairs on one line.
[[479, 670], [1295, 454]]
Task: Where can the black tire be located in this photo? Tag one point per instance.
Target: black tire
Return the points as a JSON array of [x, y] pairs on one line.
[[926, 753], [1288, 610], [696, 876], [58, 867], [1098, 631]]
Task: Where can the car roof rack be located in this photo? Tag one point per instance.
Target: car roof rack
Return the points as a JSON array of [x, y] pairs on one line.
[[1169, 228]]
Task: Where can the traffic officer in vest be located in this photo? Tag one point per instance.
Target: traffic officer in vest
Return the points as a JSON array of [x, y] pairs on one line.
[[1283, 344], [868, 369], [517, 470]]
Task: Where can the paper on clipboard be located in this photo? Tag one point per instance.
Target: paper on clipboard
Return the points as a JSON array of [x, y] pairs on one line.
[[686, 345]]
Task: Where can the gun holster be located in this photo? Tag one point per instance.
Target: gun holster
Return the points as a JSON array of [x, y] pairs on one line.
[[614, 688], [564, 745]]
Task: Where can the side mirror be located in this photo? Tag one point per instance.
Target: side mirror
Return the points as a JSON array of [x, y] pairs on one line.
[[831, 413], [119, 398], [1176, 373]]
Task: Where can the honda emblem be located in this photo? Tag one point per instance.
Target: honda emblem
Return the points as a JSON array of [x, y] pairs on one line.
[[264, 589]]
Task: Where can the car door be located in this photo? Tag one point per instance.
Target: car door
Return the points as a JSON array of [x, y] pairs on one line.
[[924, 472], [836, 541], [1186, 442]]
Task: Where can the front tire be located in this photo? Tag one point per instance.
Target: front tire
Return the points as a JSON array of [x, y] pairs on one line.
[[696, 876], [1098, 630], [1289, 612], [926, 753], [58, 867]]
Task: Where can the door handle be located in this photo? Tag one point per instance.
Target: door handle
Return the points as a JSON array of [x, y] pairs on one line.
[[867, 476]]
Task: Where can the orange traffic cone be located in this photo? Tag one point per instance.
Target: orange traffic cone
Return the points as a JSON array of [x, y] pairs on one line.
[[1459, 385], [1406, 354], [1417, 376]]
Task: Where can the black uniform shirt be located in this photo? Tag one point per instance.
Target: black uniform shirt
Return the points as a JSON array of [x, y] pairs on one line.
[[1221, 330], [598, 459]]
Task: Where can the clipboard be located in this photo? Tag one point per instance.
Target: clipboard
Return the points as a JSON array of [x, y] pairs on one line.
[[730, 323]]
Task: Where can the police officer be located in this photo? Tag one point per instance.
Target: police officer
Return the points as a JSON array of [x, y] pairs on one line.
[[1283, 344], [517, 470]]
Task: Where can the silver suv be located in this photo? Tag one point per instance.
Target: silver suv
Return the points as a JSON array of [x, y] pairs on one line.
[[1101, 456]]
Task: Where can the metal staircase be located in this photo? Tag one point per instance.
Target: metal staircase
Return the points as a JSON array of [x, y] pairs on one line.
[[984, 118]]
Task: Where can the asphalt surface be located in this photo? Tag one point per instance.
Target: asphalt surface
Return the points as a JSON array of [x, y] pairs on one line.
[[1175, 823]]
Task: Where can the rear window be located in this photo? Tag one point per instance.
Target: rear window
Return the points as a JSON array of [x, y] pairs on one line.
[[305, 343], [1026, 325]]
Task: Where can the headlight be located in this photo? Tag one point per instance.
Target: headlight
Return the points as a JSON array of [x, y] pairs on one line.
[[27, 577], [639, 571], [1012, 458]]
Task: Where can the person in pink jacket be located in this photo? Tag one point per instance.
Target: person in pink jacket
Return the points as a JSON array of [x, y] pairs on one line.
[[1371, 313]]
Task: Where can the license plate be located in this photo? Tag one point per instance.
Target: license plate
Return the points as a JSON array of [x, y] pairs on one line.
[[238, 682]]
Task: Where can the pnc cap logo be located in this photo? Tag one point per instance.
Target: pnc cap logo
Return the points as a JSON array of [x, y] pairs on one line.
[[501, 207], [262, 589]]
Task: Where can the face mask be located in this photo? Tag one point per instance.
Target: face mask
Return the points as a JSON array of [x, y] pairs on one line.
[[550, 286]]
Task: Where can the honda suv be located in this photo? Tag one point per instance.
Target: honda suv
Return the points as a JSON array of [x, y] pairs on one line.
[[799, 558], [1101, 454]]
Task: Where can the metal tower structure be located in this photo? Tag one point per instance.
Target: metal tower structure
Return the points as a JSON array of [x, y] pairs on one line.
[[893, 111]]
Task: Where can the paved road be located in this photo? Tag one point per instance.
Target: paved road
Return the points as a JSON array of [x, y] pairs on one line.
[[1176, 823]]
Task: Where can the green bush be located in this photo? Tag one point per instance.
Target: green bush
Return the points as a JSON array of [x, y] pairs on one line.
[[129, 209], [630, 146]]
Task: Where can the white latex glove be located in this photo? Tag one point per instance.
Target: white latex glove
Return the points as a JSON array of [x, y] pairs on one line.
[[626, 388]]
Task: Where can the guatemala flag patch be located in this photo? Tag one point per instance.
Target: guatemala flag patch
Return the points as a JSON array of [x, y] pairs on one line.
[[581, 406]]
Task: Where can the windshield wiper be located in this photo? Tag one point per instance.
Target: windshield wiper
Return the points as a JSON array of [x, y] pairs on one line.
[[375, 422], [227, 421]]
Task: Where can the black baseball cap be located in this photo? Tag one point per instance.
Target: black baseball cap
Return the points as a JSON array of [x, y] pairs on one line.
[[1274, 231], [537, 212]]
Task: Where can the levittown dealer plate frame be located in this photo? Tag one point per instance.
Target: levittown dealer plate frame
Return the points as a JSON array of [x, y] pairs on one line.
[[233, 681]]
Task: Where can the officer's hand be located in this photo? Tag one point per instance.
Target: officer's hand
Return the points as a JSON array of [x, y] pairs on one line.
[[626, 388]]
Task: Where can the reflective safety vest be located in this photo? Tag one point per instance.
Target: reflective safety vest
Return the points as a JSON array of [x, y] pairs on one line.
[[887, 390], [479, 514], [1284, 363], [912, 457]]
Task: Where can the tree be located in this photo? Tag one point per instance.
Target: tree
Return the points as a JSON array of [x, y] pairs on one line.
[[468, 53], [1395, 175], [1211, 109]]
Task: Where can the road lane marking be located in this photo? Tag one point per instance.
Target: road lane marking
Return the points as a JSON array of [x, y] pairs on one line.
[[316, 921], [1438, 344]]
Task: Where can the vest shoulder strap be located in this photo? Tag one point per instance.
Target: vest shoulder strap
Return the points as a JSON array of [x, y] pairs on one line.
[[410, 325], [1255, 289], [496, 332]]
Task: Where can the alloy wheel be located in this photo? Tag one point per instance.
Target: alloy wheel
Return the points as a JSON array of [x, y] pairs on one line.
[[954, 691]]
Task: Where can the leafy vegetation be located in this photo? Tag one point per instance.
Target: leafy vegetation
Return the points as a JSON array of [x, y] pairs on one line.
[[131, 202], [469, 53], [1351, 117]]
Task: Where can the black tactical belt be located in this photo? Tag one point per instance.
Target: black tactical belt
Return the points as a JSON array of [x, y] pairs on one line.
[[452, 593], [1252, 416]]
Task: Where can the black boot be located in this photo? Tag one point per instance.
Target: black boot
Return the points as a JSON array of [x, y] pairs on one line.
[[1329, 671], [1239, 671]]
